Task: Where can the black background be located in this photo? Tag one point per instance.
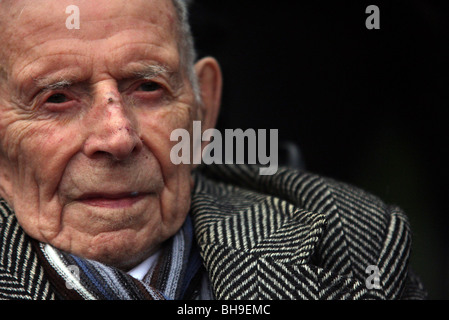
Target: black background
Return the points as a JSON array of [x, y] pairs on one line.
[[367, 107]]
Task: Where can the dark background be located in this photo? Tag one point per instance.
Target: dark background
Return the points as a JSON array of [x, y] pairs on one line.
[[367, 107]]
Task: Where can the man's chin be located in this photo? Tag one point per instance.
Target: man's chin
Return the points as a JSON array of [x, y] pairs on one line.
[[118, 249], [98, 218], [122, 244]]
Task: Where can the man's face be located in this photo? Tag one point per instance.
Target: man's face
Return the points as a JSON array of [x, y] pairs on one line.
[[86, 117]]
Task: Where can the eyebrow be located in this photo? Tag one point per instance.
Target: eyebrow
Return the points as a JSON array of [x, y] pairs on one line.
[[47, 84], [142, 71], [151, 71]]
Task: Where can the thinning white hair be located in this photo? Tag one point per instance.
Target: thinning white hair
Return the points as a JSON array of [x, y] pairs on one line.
[[186, 44]]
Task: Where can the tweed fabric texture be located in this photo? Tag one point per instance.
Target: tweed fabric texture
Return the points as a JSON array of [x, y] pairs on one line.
[[22, 276], [293, 235], [297, 235]]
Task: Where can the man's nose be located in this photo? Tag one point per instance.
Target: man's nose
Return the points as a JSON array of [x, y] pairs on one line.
[[114, 130]]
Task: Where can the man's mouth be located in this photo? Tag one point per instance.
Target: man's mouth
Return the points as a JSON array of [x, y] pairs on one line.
[[112, 200]]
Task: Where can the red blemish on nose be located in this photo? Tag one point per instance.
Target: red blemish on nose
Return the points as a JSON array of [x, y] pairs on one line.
[[127, 129]]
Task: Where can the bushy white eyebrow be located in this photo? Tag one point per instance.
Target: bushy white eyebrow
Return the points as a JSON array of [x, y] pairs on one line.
[[57, 85], [142, 71], [47, 84], [151, 71]]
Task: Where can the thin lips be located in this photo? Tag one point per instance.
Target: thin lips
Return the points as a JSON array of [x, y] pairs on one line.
[[112, 196]]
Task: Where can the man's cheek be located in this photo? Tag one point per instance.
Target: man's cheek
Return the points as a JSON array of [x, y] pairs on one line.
[[38, 153], [15, 133], [158, 127]]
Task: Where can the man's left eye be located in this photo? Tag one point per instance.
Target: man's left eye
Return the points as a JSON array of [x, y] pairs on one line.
[[149, 87]]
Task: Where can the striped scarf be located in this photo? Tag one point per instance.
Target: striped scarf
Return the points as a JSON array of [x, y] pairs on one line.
[[176, 274]]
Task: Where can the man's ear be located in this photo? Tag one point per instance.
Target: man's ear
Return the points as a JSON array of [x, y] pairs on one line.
[[210, 86]]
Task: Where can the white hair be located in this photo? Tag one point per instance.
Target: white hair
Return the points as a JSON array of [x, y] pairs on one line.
[[186, 44]]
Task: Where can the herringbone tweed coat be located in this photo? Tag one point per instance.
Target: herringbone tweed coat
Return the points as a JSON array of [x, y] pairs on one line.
[[293, 235]]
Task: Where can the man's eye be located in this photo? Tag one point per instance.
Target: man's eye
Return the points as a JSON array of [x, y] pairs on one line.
[[149, 87], [57, 98]]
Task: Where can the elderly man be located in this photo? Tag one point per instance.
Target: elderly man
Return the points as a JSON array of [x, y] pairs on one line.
[[93, 208]]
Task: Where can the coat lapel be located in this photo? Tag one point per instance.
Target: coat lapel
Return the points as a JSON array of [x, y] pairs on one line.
[[21, 275], [252, 243], [258, 246]]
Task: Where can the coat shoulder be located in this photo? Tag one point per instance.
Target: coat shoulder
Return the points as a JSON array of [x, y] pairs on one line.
[[362, 233]]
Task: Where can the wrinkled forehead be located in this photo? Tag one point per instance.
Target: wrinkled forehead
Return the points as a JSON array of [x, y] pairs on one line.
[[24, 24], [42, 13]]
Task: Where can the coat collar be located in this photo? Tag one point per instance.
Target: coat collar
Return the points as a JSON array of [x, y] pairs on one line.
[[19, 263], [260, 245]]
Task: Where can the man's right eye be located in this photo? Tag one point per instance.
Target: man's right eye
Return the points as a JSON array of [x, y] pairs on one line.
[[57, 98]]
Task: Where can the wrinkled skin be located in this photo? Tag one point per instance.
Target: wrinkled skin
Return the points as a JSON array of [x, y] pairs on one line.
[[85, 163]]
